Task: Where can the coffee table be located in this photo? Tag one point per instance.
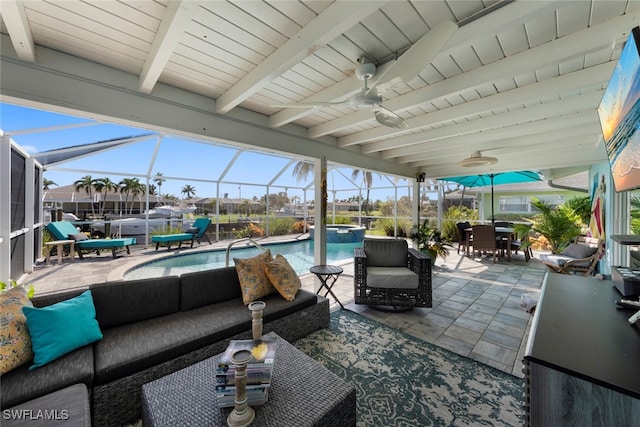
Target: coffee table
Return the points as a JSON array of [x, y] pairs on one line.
[[302, 393]]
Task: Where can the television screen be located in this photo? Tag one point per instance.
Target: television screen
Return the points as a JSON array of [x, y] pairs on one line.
[[619, 113]]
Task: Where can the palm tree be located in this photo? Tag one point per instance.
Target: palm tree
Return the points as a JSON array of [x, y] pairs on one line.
[[127, 186], [558, 224], [159, 179], [105, 185], [47, 183], [188, 191], [302, 170], [367, 177], [88, 184], [137, 189]]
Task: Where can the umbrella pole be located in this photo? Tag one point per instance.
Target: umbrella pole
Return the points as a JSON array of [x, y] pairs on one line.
[[493, 219]]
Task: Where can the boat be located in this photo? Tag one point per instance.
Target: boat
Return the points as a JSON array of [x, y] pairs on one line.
[[172, 211], [135, 226]]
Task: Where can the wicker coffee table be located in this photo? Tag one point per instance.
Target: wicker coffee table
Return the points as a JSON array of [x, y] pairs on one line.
[[302, 393]]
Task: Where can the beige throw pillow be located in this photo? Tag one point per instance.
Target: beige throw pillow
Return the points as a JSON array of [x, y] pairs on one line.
[[283, 277], [15, 341], [254, 282]]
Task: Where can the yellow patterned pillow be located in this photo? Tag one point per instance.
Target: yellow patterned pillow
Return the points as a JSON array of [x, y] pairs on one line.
[[15, 342], [253, 281], [283, 277]]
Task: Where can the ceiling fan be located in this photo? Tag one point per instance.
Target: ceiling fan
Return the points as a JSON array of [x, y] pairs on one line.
[[404, 69], [477, 159]]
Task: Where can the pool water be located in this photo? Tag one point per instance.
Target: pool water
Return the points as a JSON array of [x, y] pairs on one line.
[[299, 254]]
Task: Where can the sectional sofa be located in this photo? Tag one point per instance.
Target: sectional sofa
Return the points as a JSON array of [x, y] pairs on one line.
[[153, 327]]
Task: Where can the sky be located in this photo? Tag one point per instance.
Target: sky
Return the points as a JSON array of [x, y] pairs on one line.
[[181, 161]]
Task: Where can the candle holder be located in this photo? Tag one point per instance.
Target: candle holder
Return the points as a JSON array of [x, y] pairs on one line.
[[257, 308], [242, 414]]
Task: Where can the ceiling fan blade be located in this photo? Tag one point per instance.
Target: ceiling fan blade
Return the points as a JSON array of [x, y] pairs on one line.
[[415, 60], [389, 118], [307, 104]]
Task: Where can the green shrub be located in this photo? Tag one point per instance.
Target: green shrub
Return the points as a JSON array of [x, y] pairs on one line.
[[342, 220], [387, 225], [453, 215], [251, 230], [281, 226]]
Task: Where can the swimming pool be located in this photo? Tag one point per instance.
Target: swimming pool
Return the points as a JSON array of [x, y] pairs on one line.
[[299, 254]]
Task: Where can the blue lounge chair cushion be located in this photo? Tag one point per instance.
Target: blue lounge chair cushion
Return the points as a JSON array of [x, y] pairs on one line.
[[164, 238], [106, 243]]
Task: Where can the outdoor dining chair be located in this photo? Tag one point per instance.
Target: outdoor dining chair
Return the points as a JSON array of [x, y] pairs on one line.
[[484, 239]]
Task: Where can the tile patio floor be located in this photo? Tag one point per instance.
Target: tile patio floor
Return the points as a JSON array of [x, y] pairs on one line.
[[475, 313]]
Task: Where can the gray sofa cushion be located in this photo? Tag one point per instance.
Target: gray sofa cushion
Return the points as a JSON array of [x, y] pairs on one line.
[[209, 287], [392, 278], [44, 300], [134, 347], [21, 384], [74, 400], [120, 303], [386, 252]]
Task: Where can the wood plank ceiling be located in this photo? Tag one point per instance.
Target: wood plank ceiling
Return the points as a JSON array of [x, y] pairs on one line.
[[517, 80]]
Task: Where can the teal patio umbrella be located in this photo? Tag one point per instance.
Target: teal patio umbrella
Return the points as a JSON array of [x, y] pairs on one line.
[[493, 179]]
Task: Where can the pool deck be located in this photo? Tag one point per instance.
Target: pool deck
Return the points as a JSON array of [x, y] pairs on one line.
[[475, 313]]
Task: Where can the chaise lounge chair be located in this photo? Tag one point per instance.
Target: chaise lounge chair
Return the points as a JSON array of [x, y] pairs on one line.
[[580, 257], [64, 230], [196, 232]]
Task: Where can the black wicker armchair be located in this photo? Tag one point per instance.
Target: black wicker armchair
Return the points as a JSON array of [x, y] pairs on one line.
[[389, 274]]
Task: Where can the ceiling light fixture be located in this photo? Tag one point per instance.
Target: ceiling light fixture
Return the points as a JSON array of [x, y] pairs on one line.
[[477, 159]]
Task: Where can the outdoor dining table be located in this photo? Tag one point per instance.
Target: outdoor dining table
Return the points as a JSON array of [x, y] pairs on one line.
[[500, 232]]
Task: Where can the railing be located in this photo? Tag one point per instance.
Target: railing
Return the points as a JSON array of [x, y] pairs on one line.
[[249, 239]]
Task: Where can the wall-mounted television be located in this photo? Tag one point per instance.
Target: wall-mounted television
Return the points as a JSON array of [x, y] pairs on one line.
[[619, 113]]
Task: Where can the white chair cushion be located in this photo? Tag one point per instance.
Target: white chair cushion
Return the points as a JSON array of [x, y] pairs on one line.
[[391, 278]]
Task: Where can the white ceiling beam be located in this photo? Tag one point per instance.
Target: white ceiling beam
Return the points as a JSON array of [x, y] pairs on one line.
[[406, 145], [497, 21], [174, 22], [15, 19], [562, 158], [328, 25], [569, 136], [537, 127], [524, 95], [560, 50]]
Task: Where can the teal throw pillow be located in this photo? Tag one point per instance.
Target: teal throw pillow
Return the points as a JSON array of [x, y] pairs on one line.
[[61, 328]]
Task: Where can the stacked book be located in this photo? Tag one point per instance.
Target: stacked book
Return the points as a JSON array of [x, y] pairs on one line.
[[259, 371]]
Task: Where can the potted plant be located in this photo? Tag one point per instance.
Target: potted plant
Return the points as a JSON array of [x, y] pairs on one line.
[[430, 241]]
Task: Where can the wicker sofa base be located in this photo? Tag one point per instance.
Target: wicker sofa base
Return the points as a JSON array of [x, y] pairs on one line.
[[119, 401]]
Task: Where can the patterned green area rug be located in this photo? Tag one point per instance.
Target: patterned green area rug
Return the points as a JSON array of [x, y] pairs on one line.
[[404, 381]]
